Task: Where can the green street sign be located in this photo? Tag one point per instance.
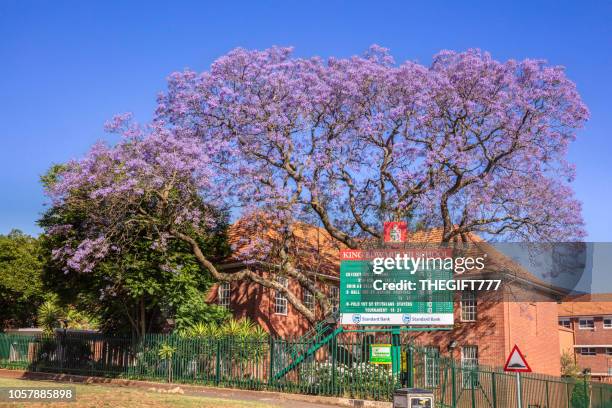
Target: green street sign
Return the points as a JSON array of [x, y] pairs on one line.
[[393, 296], [380, 353]]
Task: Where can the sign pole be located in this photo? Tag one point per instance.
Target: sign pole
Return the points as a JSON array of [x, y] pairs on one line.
[[516, 363], [518, 390]]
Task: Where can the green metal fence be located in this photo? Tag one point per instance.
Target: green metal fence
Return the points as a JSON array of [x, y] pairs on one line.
[[459, 386], [333, 366]]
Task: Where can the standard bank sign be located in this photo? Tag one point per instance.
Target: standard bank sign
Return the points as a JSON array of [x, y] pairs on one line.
[[396, 318]]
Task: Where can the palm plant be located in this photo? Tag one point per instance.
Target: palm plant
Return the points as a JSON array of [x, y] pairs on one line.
[[166, 352]]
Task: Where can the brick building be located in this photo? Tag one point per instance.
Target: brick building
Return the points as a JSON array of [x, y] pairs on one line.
[[484, 332], [591, 324]]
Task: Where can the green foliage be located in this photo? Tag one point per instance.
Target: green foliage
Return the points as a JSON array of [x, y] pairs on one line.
[[21, 289], [166, 351], [580, 396], [51, 315], [140, 287], [318, 377], [569, 368], [241, 329], [189, 304]]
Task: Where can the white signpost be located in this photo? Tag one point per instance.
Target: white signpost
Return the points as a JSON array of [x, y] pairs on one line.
[[516, 363]]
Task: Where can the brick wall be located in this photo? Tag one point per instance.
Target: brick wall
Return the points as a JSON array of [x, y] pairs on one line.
[[257, 303], [487, 333], [566, 340], [499, 325], [601, 362], [533, 326]]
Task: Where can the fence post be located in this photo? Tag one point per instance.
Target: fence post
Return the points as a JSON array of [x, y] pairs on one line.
[[453, 378], [271, 371], [473, 383], [586, 391], [218, 363], [395, 352], [410, 366], [547, 397], [493, 389], [334, 358]]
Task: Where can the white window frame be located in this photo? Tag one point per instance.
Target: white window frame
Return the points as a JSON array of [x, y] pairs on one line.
[[432, 366], [565, 322], [309, 299], [469, 366], [224, 295], [588, 351], [334, 297], [281, 305], [609, 325], [469, 307], [587, 327]]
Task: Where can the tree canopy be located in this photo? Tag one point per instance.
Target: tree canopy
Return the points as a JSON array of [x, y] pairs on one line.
[[468, 144], [21, 288]]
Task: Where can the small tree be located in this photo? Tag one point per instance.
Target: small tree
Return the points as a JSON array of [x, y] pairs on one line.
[[21, 288], [569, 368], [141, 282], [166, 352]]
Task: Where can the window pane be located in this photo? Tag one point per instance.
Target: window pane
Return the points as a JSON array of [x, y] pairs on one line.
[[432, 368], [469, 364], [334, 294], [309, 299], [280, 301], [224, 294], [468, 306]]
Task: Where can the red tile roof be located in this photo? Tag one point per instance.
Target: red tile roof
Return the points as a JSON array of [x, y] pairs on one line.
[[314, 250], [587, 305]]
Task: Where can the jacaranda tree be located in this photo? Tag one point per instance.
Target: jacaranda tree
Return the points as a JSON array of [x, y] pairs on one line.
[[468, 144]]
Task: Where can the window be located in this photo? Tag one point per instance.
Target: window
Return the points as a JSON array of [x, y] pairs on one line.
[[334, 293], [468, 307], [309, 299], [586, 323], [607, 322], [609, 351], [469, 364], [280, 301], [224, 294], [565, 323], [587, 351], [432, 367]]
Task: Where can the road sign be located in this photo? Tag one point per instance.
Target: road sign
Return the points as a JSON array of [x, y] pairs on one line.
[[516, 362]]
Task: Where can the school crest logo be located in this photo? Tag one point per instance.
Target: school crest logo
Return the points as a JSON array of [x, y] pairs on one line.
[[395, 232], [356, 318]]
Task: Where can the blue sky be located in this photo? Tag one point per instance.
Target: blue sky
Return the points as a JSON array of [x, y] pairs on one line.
[[66, 67]]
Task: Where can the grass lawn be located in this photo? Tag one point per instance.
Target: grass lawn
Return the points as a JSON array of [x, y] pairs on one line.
[[97, 396]]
